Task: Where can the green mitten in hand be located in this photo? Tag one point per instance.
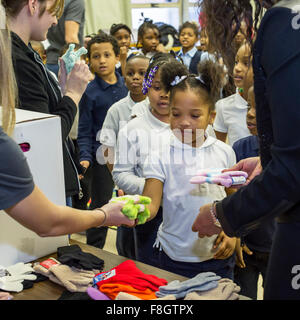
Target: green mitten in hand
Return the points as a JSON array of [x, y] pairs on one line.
[[134, 207], [71, 56]]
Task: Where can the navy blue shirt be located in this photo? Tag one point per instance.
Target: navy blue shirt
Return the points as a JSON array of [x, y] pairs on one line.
[[94, 104], [16, 182], [261, 238]]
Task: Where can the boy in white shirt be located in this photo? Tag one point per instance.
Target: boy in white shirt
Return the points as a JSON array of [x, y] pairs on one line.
[[121, 112]]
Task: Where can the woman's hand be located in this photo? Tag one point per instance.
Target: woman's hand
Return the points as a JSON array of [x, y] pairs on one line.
[[204, 223], [225, 245], [250, 165], [74, 84], [114, 215]]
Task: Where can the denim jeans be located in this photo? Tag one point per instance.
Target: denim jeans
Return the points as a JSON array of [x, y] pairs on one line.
[[223, 268]]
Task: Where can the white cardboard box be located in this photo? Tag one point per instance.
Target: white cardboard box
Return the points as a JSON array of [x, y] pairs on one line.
[[43, 133]]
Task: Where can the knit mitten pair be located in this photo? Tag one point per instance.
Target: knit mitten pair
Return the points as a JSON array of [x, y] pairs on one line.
[[134, 207], [226, 290], [73, 279], [202, 282]]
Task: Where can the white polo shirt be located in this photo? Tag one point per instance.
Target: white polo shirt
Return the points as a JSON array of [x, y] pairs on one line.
[[117, 117], [231, 113], [175, 166], [141, 136]]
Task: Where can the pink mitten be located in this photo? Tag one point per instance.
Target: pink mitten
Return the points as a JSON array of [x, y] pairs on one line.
[[226, 179]]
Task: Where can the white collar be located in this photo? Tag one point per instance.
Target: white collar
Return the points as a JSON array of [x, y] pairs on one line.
[[177, 144], [240, 102], [131, 103], [190, 53], [153, 121]]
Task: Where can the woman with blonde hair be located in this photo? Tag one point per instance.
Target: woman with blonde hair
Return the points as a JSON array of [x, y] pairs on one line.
[[38, 90], [20, 198]]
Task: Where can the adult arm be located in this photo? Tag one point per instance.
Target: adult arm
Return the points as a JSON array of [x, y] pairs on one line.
[[73, 17], [40, 215], [276, 189], [71, 32], [33, 95]]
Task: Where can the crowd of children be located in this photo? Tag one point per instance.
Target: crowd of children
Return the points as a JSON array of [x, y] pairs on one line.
[[145, 127]]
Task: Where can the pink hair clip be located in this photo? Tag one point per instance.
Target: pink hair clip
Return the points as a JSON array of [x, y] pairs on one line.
[[226, 179]]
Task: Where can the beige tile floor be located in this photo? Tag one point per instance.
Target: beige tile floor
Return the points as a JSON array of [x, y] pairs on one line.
[[110, 246]]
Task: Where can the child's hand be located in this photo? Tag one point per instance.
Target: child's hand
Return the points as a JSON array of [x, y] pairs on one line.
[[123, 53], [161, 48], [239, 260], [226, 246]]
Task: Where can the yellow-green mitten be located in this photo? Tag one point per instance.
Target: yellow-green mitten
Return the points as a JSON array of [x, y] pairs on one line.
[[134, 207]]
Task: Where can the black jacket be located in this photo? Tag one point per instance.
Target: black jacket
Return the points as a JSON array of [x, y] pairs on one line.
[[40, 92], [276, 191]]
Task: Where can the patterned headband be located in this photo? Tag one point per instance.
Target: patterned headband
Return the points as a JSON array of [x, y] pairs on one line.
[[147, 82], [178, 80]]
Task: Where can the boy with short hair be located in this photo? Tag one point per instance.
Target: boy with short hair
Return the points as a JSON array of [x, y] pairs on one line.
[[188, 37], [107, 88]]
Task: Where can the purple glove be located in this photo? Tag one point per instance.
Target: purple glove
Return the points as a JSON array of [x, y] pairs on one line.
[[95, 294]]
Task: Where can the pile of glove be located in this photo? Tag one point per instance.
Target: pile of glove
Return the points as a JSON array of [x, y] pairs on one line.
[[134, 207], [73, 269], [12, 278], [204, 286], [127, 278]]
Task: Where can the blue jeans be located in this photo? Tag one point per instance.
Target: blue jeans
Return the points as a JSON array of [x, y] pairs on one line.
[[281, 282], [247, 278], [223, 268]]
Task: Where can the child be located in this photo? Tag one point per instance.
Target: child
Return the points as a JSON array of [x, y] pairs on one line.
[[107, 88], [204, 40], [123, 35], [168, 173], [121, 112], [148, 38], [136, 140], [257, 244], [232, 110], [188, 37]]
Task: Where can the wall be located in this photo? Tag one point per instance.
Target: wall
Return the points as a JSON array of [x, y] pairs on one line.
[[101, 14]]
